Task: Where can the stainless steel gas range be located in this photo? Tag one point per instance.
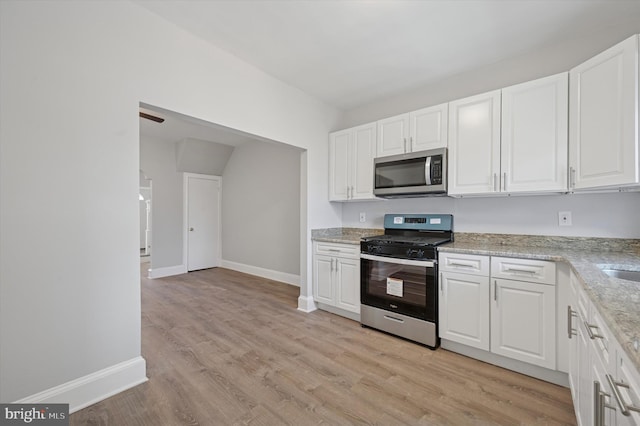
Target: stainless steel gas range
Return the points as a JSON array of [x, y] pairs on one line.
[[399, 276]]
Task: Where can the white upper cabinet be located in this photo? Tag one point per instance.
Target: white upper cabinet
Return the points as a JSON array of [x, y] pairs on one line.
[[416, 131], [429, 128], [363, 151], [474, 144], [533, 154], [604, 116], [339, 169], [351, 154], [512, 140], [393, 134]]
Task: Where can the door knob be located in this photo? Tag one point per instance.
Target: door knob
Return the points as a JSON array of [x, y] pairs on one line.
[[190, 229]]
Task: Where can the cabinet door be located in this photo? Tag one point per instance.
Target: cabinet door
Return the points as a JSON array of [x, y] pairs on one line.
[[429, 128], [363, 153], [474, 144], [339, 151], [323, 279], [392, 135], [523, 321], [348, 284], [630, 392], [584, 406], [534, 135], [464, 309], [601, 394], [572, 335], [603, 146]]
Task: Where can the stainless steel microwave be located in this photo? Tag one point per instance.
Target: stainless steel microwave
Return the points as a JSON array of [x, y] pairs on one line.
[[415, 174]]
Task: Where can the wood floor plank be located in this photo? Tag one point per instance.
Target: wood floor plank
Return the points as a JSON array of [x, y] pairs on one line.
[[226, 348]]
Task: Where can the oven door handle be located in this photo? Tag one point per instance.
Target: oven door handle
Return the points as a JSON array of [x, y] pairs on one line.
[[423, 263]]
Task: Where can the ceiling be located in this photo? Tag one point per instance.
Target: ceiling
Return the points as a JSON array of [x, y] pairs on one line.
[[349, 53]]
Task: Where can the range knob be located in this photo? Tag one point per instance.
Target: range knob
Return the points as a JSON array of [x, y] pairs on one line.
[[374, 249]]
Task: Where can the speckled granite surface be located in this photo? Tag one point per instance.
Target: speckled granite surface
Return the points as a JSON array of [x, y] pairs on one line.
[[617, 300], [343, 235]]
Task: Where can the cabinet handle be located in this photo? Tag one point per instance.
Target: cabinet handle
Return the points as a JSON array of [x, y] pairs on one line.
[[441, 289], [495, 182], [572, 177], [504, 181], [495, 291], [410, 143], [570, 314], [526, 271], [624, 408], [461, 264], [592, 335], [332, 259], [599, 404]]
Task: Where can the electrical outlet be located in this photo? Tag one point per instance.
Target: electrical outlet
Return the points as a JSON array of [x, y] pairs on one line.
[[564, 218], [363, 217]]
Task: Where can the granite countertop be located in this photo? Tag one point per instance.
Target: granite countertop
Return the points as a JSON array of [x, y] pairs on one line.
[[344, 235], [617, 300]]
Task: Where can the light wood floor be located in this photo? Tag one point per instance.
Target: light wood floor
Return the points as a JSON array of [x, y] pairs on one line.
[[225, 348]]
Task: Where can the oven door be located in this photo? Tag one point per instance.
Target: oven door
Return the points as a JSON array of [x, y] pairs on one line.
[[405, 286]]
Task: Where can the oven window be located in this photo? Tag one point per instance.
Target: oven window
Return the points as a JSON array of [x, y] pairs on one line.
[[405, 289]]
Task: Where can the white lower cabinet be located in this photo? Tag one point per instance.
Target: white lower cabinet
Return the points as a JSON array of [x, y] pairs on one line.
[[605, 386], [523, 321], [627, 383], [336, 275], [512, 317], [464, 309]]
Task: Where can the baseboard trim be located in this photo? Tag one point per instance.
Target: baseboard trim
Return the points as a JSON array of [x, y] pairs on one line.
[[306, 304], [337, 311], [87, 390], [262, 272], [551, 376], [167, 271]]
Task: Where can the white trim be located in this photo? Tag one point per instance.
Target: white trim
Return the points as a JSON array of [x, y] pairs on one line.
[[185, 215], [94, 387], [542, 373], [167, 271], [270, 274], [306, 304]]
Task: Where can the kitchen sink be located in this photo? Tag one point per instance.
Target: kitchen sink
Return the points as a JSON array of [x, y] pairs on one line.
[[622, 273]]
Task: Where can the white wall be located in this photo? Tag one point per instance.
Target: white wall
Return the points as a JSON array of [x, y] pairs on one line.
[[261, 207], [158, 160], [594, 215], [72, 75]]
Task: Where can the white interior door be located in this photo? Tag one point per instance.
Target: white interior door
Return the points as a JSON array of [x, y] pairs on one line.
[[203, 221]]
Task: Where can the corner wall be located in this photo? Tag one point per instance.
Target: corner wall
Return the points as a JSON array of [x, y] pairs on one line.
[[72, 76], [261, 211]]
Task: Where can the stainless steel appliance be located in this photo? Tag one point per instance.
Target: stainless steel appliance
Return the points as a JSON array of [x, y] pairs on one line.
[[399, 276], [416, 174]]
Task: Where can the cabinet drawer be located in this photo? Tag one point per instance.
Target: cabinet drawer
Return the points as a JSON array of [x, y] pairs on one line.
[[535, 271], [336, 249], [464, 263]]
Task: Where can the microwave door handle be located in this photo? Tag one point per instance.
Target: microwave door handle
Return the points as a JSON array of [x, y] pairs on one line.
[[427, 171]]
